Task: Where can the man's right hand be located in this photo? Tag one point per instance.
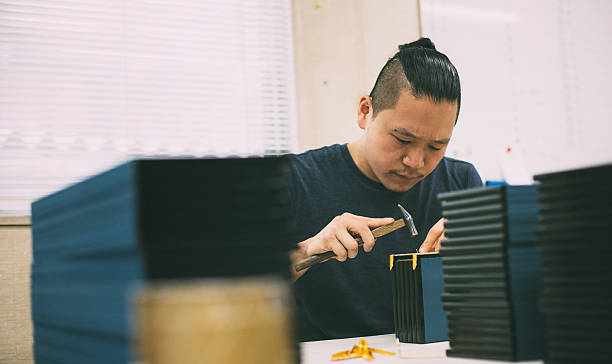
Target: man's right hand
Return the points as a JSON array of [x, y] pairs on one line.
[[336, 236]]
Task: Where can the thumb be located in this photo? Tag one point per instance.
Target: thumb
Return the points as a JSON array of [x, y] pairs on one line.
[[433, 236], [427, 246]]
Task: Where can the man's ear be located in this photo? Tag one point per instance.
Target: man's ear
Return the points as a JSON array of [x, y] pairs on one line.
[[364, 111]]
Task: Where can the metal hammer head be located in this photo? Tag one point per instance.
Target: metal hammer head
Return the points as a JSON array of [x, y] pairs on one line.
[[408, 220]]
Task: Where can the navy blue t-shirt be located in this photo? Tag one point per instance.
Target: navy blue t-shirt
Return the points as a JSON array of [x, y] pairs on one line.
[[353, 298]]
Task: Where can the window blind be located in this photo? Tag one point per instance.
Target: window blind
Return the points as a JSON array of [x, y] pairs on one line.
[[85, 85]]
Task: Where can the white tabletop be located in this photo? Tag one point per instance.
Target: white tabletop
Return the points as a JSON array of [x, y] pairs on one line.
[[317, 352]]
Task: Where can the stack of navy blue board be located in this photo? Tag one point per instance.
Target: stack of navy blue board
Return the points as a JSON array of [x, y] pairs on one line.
[[575, 237], [142, 221], [417, 309], [492, 273]]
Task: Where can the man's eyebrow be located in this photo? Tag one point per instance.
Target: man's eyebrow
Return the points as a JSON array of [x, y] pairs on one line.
[[408, 134]]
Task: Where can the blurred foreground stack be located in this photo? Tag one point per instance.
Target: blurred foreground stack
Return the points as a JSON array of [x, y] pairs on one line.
[[222, 321], [492, 273], [575, 237], [96, 242]]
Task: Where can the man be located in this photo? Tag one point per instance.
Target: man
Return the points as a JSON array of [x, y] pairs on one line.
[[408, 120]]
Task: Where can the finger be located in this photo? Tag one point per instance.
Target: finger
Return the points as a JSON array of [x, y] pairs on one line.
[[437, 245], [439, 226], [320, 243], [430, 240], [348, 242], [366, 231], [339, 250], [432, 236], [425, 247], [359, 227], [371, 221], [374, 222]]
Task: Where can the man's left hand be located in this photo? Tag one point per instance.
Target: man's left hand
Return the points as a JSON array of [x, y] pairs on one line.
[[434, 238]]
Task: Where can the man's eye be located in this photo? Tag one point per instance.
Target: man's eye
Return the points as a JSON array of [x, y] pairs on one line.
[[402, 141], [434, 148]]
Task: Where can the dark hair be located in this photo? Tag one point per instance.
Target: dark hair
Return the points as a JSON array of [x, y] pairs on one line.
[[420, 69]]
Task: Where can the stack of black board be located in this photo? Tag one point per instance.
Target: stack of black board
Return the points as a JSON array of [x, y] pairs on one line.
[[575, 237], [417, 285], [492, 273], [143, 221]]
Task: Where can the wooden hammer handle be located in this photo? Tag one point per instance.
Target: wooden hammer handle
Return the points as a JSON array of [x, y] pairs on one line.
[[318, 258]]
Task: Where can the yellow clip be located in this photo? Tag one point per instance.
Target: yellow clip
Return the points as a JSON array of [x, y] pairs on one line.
[[359, 351], [414, 257]]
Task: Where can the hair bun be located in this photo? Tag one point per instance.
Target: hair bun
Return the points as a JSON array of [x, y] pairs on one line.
[[421, 43]]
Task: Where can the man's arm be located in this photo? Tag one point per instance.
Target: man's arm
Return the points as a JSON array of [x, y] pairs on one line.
[[336, 237]]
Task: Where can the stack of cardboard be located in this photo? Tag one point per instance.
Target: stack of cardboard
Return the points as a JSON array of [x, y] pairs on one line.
[[417, 308], [492, 273], [574, 235], [143, 221]]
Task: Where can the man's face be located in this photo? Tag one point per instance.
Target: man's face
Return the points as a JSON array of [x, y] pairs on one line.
[[403, 145]]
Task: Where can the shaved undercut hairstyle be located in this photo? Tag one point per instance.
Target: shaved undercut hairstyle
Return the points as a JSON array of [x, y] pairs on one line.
[[419, 68]]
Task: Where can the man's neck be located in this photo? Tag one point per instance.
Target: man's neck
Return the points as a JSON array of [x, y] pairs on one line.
[[357, 152]]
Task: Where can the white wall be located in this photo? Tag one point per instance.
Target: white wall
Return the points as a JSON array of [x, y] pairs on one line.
[[340, 46], [535, 77]]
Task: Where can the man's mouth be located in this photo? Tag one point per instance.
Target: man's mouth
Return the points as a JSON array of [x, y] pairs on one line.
[[407, 176]]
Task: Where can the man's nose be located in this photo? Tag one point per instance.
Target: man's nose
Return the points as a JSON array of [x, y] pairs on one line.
[[414, 159]]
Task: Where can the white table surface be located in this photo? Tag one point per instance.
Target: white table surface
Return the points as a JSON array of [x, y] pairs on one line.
[[317, 352]]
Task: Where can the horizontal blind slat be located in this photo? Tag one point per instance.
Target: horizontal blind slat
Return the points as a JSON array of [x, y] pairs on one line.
[[87, 85]]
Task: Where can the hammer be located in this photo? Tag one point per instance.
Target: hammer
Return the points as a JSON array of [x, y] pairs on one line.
[[406, 220]]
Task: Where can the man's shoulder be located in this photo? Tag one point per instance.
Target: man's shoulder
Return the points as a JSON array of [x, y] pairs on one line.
[[457, 164], [458, 173], [319, 158], [319, 153]]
